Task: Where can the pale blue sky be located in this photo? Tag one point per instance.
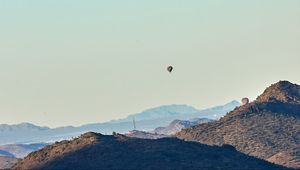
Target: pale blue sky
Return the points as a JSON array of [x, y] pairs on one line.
[[68, 62]]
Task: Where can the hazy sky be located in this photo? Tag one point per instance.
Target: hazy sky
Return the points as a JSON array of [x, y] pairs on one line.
[[70, 62]]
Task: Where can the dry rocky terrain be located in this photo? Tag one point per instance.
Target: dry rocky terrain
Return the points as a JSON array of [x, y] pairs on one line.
[[268, 128], [96, 151]]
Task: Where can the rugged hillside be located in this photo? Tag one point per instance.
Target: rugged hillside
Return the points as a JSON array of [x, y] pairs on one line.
[[268, 128], [7, 162], [96, 151], [282, 91], [177, 125]]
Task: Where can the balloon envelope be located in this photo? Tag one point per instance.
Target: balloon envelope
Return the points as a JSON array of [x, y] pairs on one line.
[[245, 101], [170, 69]]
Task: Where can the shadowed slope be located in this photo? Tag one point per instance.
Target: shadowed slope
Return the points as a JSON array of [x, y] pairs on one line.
[[96, 151]]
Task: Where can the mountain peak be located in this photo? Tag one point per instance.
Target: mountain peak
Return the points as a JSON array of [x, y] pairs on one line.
[[162, 112], [266, 128], [232, 103], [282, 91]]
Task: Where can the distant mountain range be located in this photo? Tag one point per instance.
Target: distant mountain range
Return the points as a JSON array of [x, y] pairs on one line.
[[177, 125], [268, 128], [162, 112], [19, 150], [147, 120], [7, 162], [168, 131], [10, 154], [183, 112], [145, 135], [96, 151]]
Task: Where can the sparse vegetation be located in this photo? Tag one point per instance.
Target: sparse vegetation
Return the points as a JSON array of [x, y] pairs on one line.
[[264, 128], [96, 151]]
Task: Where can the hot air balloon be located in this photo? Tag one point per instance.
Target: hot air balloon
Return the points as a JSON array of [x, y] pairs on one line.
[[170, 68], [245, 101]]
